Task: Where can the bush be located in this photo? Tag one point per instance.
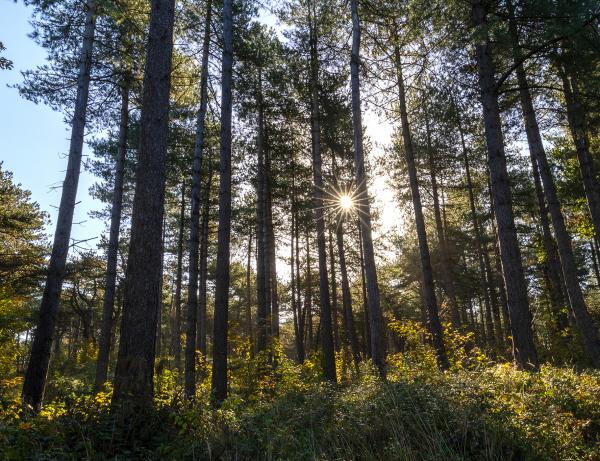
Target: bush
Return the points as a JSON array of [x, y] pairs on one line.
[[488, 413]]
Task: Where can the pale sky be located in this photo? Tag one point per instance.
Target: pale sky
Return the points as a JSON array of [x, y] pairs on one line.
[[35, 139]]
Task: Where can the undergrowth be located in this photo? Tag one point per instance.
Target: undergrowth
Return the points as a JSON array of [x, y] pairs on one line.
[[489, 412]]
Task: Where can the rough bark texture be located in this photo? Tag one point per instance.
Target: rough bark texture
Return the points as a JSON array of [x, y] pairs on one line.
[[219, 374], [135, 363], [512, 269], [362, 204], [428, 288], [326, 325], [585, 324], [110, 286], [34, 382], [192, 304]]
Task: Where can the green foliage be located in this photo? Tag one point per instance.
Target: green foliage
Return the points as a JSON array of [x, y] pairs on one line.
[[491, 413]]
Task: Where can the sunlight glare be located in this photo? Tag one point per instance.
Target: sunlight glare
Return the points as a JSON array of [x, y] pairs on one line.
[[346, 202]]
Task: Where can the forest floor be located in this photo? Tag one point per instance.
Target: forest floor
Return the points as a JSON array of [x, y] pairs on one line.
[[486, 412]]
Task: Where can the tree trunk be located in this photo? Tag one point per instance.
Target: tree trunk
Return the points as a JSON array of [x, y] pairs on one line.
[[577, 124], [446, 265], [350, 329], [301, 312], [362, 204], [202, 320], [113, 245], [326, 329], [583, 319], [429, 297], [334, 305], [263, 272], [34, 382], [487, 284], [192, 305], [219, 374], [271, 249], [135, 364], [295, 306], [176, 333], [248, 307], [308, 298], [512, 268], [367, 323]]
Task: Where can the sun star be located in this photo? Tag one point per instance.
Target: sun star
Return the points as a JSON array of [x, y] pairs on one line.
[[346, 202]]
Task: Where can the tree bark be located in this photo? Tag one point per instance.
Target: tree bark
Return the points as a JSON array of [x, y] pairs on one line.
[[192, 304], [446, 265], [219, 374], [176, 333], [135, 364], [367, 323], [248, 307], [34, 383], [263, 273], [201, 324], [301, 312], [516, 289], [326, 326], [110, 286], [577, 125], [487, 283], [271, 249], [583, 319], [378, 351], [334, 304], [429, 297], [350, 329]]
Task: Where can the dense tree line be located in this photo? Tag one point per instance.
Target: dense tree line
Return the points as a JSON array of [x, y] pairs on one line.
[[239, 188]]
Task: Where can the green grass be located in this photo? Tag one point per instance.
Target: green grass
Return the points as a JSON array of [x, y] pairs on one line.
[[491, 413]]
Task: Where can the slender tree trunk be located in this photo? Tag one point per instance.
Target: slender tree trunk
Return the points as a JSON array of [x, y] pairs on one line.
[[362, 204], [326, 329], [512, 268], [135, 363], [271, 249], [429, 297], [595, 262], [301, 311], [295, 306], [367, 326], [219, 374], [350, 329], [498, 271], [34, 383], [308, 298], [113, 245], [577, 124], [334, 304], [248, 307], [176, 333], [485, 272], [192, 304], [158, 345], [263, 272], [204, 240], [583, 319], [445, 258]]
